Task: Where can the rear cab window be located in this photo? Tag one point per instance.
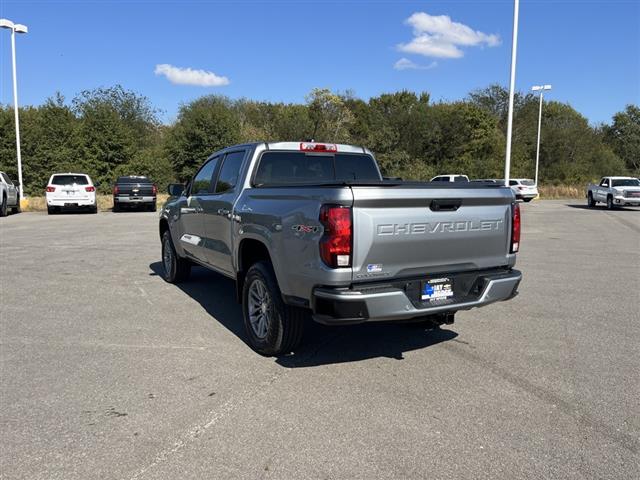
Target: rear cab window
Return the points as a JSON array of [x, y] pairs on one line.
[[291, 168], [70, 180], [133, 180]]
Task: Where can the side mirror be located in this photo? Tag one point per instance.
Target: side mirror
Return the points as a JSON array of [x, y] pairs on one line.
[[175, 189]]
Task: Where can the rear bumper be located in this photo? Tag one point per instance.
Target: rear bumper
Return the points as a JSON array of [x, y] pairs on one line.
[[128, 199], [71, 202], [386, 303]]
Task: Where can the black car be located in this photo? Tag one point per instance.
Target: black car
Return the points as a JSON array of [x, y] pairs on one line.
[[134, 191]]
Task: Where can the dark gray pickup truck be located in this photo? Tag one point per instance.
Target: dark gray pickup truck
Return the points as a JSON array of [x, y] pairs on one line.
[[134, 191], [313, 229]]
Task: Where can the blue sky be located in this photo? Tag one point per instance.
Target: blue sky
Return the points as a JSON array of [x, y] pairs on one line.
[[280, 50]]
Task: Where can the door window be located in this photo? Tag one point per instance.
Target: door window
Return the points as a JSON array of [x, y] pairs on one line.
[[229, 172], [604, 183], [6, 178], [202, 181]]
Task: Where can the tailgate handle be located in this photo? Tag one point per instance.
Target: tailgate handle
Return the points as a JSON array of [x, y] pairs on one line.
[[445, 205]]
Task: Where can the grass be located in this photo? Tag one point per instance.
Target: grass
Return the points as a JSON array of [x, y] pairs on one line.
[[105, 203], [550, 192]]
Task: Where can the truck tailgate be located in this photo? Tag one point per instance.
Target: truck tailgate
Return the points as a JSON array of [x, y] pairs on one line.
[[407, 231]]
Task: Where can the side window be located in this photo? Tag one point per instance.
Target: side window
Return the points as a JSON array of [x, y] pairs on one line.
[[229, 172], [201, 184], [605, 182], [6, 179], [513, 182]]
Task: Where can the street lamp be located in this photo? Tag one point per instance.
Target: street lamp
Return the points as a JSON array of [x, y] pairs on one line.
[[512, 86], [541, 89], [15, 28]]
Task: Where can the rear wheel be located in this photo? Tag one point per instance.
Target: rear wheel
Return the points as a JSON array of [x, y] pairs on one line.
[[609, 202], [3, 207], [152, 207], [590, 201], [116, 207], [17, 208], [527, 199], [94, 209], [175, 269], [273, 327]]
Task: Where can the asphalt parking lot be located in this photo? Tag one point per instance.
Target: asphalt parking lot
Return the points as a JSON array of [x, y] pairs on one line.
[[109, 372]]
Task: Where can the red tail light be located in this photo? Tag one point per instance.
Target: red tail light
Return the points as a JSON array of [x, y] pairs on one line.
[[90, 189], [515, 228], [116, 189], [318, 147], [51, 189], [335, 245], [154, 189]]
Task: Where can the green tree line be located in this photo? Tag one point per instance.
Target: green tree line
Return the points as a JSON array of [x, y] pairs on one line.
[[109, 132]]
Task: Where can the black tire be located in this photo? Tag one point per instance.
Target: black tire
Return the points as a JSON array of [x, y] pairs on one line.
[[94, 209], [3, 207], [116, 207], [283, 325], [152, 207], [17, 208], [527, 199], [610, 203], [175, 269], [590, 201], [49, 210]]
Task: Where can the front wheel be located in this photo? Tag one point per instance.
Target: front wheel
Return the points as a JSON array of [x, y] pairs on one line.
[[590, 201], [273, 327], [609, 202], [3, 207], [175, 269]]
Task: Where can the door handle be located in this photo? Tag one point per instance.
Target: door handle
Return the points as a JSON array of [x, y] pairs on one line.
[[189, 210]]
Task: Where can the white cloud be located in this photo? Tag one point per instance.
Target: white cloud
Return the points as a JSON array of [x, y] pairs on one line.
[[438, 36], [406, 64], [188, 76]]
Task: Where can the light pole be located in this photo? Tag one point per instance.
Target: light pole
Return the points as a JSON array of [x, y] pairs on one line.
[[541, 89], [512, 85], [15, 28]]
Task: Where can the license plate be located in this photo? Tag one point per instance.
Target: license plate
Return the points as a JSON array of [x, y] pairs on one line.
[[437, 289]]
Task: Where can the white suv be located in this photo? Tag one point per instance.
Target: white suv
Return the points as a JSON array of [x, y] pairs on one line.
[[524, 188], [70, 190]]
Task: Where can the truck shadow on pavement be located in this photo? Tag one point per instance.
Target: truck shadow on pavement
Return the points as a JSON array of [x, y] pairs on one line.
[[602, 207], [321, 345]]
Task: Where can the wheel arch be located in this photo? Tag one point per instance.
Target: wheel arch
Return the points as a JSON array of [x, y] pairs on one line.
[[250, 251]]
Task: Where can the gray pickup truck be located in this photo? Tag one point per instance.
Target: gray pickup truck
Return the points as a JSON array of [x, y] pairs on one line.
[[312, 228]]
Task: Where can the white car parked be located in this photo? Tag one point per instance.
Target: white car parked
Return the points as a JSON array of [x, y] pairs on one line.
[[524, 188], [450, 178], [9, 195], [70, 190]]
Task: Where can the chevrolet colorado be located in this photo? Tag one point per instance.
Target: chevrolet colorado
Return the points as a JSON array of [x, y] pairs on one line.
[[313, 228]]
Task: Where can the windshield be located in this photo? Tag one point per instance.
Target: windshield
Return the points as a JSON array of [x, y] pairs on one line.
[[626, 182], [289, 168], [69, 180]]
